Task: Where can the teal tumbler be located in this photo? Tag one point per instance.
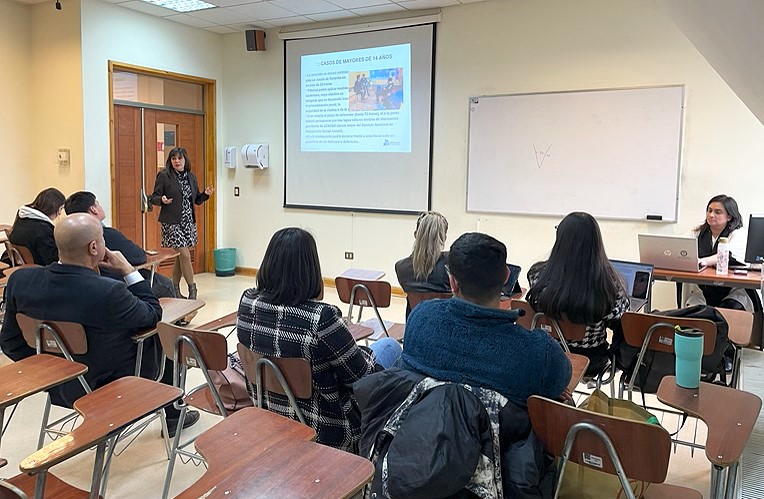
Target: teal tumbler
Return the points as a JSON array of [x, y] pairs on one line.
[[688, 347]]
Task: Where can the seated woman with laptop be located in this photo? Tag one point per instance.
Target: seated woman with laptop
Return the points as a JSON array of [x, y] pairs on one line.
[[722, 220], [579, 284], [282, 316]]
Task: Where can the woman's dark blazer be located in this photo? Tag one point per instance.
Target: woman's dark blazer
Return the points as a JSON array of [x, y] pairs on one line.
[[37, 236], [167, 184]]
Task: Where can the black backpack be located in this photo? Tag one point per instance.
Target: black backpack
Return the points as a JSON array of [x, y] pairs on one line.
[[657, 365]]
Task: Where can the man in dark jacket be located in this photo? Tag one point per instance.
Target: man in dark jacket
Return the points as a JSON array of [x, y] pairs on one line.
[[86, 202], [111, 311]]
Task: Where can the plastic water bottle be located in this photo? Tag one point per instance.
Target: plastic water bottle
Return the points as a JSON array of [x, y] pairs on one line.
[[722, 256], [688, 347]]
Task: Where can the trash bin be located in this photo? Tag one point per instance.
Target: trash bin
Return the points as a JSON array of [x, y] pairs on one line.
[[225, 261]]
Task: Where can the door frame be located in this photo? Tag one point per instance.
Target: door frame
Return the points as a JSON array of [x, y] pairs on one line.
[[210, 143]]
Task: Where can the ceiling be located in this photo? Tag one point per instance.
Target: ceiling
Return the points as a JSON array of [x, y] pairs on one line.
[[231, 16]]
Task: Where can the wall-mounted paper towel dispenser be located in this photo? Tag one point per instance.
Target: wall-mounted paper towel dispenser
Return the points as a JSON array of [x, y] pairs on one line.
[[255, 155]]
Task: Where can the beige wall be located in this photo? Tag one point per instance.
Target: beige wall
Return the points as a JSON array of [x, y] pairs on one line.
[[15, 120], [56, 97], [498, 47]]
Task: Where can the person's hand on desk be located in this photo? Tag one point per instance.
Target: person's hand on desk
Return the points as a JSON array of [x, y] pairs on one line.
[[114, 260], [708, 261]]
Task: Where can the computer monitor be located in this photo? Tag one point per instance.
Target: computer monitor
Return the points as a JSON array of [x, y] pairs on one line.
[[754, 249]]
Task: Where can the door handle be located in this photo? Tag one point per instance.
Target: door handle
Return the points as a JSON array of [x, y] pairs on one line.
[[145, 205]]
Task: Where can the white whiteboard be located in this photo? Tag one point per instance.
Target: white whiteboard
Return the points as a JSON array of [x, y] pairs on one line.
[[612, 153]]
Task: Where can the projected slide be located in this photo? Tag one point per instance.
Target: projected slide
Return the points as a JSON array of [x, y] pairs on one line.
[[356, 100]]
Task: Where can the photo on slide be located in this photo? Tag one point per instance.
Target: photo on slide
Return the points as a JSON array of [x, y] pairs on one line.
[[387, 88], [358, 91]]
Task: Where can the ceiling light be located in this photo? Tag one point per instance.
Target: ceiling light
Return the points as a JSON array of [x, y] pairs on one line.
[[182, 5]]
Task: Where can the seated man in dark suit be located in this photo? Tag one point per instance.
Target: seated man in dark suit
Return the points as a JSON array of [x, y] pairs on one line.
[[86, 202], [110, 310]]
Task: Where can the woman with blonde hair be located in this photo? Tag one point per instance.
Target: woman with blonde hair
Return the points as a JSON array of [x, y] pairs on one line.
[[424, 270]]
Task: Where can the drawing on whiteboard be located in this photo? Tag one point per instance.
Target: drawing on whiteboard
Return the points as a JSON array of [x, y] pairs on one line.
[[541, 155]]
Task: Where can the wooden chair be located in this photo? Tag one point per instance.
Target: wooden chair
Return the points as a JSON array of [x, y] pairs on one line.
[[56, 338], [740, 323], [656, 332], [256, 453], [373, 294], [20, 255], [68, 339], [290, 377], [562, 330], [192, 348], [106, 412], [238, 441], [628, 449], [415, 297]]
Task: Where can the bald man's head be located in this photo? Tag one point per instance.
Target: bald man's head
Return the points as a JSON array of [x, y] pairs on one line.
[[79, 238]]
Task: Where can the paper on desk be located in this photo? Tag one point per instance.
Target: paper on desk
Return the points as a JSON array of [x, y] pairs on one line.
[[374, 324]]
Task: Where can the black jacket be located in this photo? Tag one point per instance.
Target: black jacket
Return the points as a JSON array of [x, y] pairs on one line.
[[437, 448], [109, 311], [167, 184], [37, 235]]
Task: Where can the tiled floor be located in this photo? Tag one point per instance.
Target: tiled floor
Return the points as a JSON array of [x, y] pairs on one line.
[[140, 470]]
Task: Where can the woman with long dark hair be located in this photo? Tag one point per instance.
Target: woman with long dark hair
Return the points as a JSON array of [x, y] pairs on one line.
[[33, 227], [425, 269], [282, 316], [579, 284], [176, 191], [723, 219]]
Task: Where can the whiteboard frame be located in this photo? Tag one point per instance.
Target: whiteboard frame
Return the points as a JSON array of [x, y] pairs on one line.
[[475, 99]]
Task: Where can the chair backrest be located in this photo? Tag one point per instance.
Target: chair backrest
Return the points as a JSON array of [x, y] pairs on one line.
[[642, 449], [526, 320], [415, 298], [20, 255], [740, 324], [363, 293], [57, 337], [291, 377], [294, 370], [561, 329], [658, 331], [211, 347]]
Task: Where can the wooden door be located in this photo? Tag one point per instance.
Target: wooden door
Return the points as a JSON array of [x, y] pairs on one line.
[[161, 131]]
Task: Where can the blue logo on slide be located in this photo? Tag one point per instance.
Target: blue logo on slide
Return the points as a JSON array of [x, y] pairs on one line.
[[389, 143]]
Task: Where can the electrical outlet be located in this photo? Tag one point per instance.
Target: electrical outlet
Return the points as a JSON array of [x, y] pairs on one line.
[[348, 255], [236, 191]]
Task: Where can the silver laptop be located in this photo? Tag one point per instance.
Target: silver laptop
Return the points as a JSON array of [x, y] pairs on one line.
[[637, 277], [670, 252]]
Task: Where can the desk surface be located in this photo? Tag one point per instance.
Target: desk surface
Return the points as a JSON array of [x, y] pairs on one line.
[[173, 309], [35, 374], [363, 274], [708, 276], [161, 255], [729, 414]]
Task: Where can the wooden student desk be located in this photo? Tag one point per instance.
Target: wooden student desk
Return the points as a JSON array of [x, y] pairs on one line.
[[153, 261], [708, 277], [173, 309], [730, 415]]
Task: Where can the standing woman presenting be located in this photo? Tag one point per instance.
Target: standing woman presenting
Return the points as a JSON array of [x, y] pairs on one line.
[[176, 191]]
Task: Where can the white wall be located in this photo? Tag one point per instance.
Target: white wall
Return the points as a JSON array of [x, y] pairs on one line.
[[499, 47], [15, 52], [115, 33]]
